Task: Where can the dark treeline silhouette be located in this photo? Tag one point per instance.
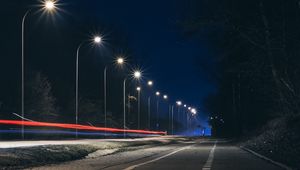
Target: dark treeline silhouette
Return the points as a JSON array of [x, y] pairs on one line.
[[256, 44], [258, 60]]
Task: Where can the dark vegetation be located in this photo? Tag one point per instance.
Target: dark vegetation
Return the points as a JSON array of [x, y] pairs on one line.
[[257, 52]]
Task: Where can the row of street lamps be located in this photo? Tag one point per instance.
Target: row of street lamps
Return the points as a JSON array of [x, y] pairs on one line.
[[50, 6]]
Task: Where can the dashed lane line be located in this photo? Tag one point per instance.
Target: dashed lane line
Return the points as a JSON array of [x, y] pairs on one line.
[[209, 162], [156, 159]]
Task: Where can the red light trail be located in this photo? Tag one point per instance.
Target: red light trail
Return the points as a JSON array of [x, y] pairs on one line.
[[79, 127]]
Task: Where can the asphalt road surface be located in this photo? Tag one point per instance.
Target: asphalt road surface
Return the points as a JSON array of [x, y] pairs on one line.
[[197, 154]]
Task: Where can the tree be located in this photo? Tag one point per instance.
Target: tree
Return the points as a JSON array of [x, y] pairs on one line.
[[258, 58], [40, 103]]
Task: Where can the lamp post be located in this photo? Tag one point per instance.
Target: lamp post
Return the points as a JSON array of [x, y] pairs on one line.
[[157, 108], [169, 117], [119, 61], [139, 105], [150, 83], [193, 112], [189, 109], [48, 6], [172, 121], [165, 97], [179, 103], [184, 114], [137, 75], [97, 40]]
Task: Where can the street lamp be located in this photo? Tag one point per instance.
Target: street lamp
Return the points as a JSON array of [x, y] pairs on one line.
[[97, 40], [150, 84], [139, 105], [193, 111], [165, 97], [48, 5], [157, 108], [179, 103], [119, 61], [136, 75], [172, 119]]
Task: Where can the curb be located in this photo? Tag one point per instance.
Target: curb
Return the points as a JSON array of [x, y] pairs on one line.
[[266, 159]]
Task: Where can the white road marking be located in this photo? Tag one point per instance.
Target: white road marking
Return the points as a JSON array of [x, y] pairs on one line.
[[156, 159], [210, 159]]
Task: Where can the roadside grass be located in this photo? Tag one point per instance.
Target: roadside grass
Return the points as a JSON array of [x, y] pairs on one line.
[[279, 141]]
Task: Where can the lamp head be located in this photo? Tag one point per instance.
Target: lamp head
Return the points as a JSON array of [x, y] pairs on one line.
[[157, 93], [150, 83], [97, 39], [120, 60], [49, 5], [137, 74]]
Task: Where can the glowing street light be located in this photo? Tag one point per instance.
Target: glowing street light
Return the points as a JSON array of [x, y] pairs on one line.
[[179, 103], [193, 111], [119, 61], [150, 83], [137, 75], [189, 108], [184, 105], [165, 97], [96, 40], [157, 108], [48, 6], [139, 105], [157, 93]]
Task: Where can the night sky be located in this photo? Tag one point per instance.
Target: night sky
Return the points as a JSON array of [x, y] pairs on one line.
[[158, 45], [147, 31]]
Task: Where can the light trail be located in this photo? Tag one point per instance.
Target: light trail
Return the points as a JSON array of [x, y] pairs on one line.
[[79, 127], [62, 132]]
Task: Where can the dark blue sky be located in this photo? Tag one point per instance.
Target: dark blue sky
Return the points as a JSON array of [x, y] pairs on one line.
[[179, 65], [156, 39]]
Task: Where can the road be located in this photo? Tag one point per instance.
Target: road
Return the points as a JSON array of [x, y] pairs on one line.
[[187, 155]]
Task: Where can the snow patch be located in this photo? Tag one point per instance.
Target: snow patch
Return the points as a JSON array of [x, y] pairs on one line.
[[99, 153]]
